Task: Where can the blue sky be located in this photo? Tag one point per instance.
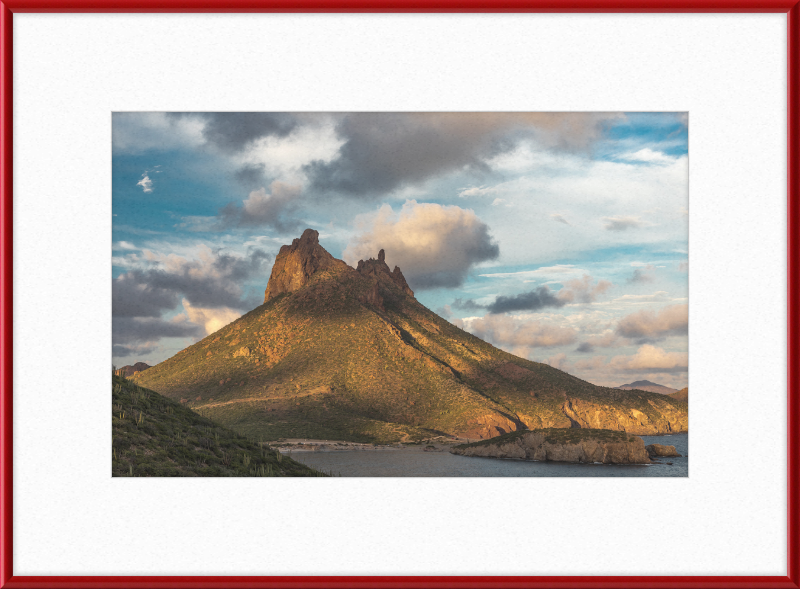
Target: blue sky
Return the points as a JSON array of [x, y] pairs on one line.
[[561, 237]]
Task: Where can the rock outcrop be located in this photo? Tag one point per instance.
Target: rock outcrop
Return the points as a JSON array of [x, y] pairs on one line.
[[378, 268], [295, 264], [130, 371], [659, 450], [562, 445]]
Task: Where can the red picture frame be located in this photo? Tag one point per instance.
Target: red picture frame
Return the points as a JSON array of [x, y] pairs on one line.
[[789, 7]]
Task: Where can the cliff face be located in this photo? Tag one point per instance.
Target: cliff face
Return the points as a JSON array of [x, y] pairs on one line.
[[651, 418], [584, 446], [295, 264]]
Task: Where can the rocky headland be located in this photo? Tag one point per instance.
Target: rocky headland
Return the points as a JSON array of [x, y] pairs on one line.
[[562, 445], [659, 450]]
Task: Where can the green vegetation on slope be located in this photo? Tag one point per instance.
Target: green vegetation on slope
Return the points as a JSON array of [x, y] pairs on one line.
[[155, 436], [353, 357]]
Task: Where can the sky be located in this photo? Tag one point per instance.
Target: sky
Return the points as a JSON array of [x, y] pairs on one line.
[[559, 237]]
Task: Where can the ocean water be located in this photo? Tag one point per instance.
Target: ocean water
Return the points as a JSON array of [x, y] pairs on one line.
[[414, 462]]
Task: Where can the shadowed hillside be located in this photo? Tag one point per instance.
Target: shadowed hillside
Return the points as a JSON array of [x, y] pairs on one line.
[[350, 354], [154, 436]]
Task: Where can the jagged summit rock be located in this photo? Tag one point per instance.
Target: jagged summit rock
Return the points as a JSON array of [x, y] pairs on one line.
[[295, 264], [344, 353], [378, 268]]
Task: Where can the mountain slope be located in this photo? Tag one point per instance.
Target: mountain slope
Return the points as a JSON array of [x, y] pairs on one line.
[[646, 385], [681, 395], [343, 353], [154, 436]]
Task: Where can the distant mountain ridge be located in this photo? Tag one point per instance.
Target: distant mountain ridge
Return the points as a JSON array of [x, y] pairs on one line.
[[129, 371], [646, 385], [343, 353]]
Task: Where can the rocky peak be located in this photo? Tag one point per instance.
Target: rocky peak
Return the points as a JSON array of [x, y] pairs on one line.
[[373, 267], [295, 264]]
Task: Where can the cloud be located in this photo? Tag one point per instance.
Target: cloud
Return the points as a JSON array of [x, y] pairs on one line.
[[477, 191], [533, 300], [559, 218], [146, 183], [539, 272], [208, 287], [622, 223], [503, 330], [211, 319], [262, 208], [657, 297], [121, 351], [649, 358], [138, 330], [137, 132], [671, 320], [233, 132], [385, 151], [607, 339], [251, 174], [583, 290], [211, 281], [558, 361], [643, 275], [468, 305], [434, 245], [647, 155]]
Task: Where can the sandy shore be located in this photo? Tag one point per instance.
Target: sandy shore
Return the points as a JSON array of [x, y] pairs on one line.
[[297, 445]]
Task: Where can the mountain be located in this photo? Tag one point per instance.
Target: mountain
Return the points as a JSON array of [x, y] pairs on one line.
[[681, 395], [646, 385], [344, 353], [129, 371], [154, 436]]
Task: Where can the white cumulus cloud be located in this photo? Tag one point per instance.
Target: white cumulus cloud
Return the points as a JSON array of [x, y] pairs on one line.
[[434, 245]]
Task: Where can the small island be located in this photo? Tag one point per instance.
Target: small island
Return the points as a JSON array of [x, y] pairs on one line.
[[562, 445]]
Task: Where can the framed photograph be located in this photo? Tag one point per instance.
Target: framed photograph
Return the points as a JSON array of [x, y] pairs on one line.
[[401, 299]]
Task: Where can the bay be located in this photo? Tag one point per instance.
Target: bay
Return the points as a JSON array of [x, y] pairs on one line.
[[413, 461]]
